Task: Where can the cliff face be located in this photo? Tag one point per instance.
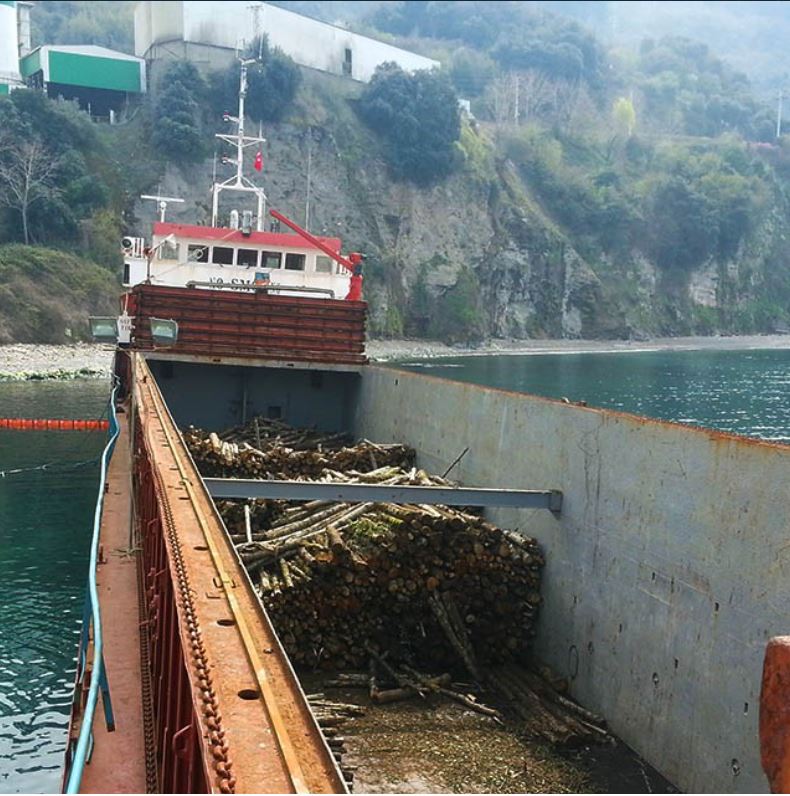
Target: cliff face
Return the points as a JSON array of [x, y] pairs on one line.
[[480, 246]]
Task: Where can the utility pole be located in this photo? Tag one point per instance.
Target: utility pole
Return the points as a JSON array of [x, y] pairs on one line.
[[515, 104], [309, 164]]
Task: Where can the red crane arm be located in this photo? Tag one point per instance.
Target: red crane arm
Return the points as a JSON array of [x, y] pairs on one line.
[[347, 264]]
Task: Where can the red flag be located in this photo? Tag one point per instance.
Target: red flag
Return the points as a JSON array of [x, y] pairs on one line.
[[258, 162]]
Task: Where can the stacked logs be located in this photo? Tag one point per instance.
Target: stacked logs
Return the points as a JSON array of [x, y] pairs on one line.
[[289, 456], [387, 589], [429, 585]]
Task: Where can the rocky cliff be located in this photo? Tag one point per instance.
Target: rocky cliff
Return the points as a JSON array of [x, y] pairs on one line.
[[477, 255]]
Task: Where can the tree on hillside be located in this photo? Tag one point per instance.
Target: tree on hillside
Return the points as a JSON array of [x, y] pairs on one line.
[[80, 183], [417, 115], [272, 83], [108, 23], [624, 115], [28, 172], [686, 87], [177, 112]]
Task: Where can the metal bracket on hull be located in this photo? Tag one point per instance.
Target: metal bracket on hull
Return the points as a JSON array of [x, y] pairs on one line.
[[240, 488]]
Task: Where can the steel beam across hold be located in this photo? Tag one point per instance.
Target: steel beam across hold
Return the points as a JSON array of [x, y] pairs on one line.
[[241, 488]]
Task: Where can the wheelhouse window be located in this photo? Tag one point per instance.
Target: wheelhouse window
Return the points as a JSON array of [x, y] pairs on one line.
[[323, 265], [168, 250], [222, 255], [271, 260], [294, 262], [197, 253], [247, 258]]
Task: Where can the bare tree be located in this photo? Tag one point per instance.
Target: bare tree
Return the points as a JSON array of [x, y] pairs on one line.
[[531, 95], [27, 173]]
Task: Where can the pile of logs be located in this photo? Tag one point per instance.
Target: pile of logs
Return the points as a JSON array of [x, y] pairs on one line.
[[429, 585], [288, 454], [390, 590]]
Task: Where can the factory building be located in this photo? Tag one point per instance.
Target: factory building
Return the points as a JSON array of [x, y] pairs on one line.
[[14, 41], [98, 79], [210, 34]]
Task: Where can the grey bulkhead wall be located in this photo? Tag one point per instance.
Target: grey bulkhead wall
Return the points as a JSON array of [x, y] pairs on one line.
[[666, 574], [215, 397]]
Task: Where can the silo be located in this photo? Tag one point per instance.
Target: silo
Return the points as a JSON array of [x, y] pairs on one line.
[[9, 44]]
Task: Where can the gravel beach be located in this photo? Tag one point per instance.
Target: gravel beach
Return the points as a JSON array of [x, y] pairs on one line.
[[383, 350], [87, 360], [22, 361]]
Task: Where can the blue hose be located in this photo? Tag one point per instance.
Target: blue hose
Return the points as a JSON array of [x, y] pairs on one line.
[[84, 741]]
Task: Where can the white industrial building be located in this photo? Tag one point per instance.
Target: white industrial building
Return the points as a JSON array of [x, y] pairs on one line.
[[209, 33], [14, 41]]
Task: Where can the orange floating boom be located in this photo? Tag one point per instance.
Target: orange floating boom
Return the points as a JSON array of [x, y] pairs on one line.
[[52, 424]]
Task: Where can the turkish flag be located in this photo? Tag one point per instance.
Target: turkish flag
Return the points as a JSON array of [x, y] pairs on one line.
[[258, 162]]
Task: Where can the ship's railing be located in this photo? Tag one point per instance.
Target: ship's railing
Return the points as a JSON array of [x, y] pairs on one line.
[[176, 735], [79, 751]]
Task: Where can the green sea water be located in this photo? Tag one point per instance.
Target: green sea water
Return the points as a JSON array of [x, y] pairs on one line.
[[45, 523], [744, 392]]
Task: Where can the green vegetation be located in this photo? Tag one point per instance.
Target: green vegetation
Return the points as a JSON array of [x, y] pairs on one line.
[[417, 116], [677, 204], [108, 23], [686, 89], [272, 83], [55, 172], [178, 132], [457, 315], [47, 295]]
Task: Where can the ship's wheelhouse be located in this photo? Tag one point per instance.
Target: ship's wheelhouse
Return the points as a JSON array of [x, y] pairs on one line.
[[184, 254]]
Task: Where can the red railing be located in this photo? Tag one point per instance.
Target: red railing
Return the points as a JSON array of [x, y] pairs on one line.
[[174, 726]]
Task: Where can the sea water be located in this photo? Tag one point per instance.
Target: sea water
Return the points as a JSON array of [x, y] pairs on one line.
[[45, 526], [744, 392]]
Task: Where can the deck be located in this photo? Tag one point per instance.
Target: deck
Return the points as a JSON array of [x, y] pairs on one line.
[[117, 764]]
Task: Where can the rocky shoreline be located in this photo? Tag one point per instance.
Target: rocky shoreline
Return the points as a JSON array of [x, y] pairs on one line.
[[393, 350], [34, 362]]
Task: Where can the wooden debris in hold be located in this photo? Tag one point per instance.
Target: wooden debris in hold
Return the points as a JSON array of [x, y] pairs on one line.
[[389, 588], [331, 716], [545, 712]]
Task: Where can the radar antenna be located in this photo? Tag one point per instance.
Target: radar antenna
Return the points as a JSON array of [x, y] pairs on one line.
[[161, 202]]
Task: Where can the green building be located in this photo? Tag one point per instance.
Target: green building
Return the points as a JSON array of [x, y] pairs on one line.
[[99, 79]]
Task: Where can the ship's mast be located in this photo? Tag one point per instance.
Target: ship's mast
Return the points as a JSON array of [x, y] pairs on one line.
[[239, 182]]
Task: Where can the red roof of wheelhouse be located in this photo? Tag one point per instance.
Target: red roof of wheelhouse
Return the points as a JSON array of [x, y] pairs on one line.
[[228, 235]]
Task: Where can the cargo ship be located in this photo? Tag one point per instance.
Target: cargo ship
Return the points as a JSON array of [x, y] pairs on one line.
[[665, 588]]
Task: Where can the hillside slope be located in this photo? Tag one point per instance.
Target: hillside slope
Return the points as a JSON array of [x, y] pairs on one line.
[[46, 295], [491, 252]]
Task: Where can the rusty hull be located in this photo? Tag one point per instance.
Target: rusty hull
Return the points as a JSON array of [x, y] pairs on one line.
[[256, 730], [253, 325]]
